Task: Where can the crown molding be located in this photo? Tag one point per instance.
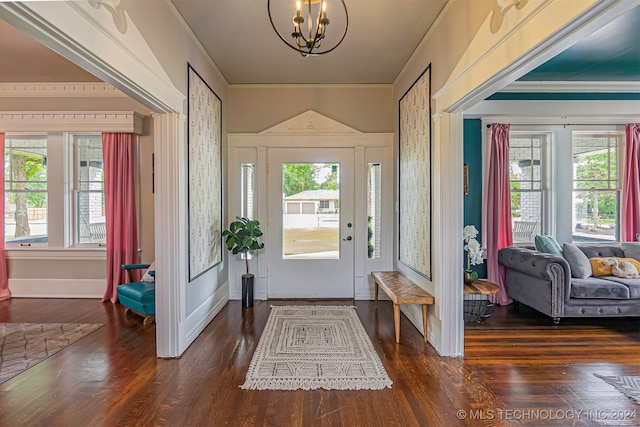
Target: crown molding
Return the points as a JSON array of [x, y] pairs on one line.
[[71, 121], [573, 87], [59, 90]]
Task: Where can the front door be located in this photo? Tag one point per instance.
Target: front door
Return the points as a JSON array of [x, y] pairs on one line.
[[311, 223]]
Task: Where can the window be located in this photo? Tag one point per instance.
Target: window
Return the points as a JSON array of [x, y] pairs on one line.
[[26, 211], [89, 212], [526, 176], [564, 182], [596, 197], [374, 210], [307, 233], [54, 190], [247, 202], [247, 184]]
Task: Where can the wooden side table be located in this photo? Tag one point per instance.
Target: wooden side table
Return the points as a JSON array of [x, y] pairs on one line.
[[477, 306]]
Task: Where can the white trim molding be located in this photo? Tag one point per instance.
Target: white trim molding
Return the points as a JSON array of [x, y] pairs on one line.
[[307, 123], [80, 33], [572, 87], [59, 90], [556, 112], [57, 288], [71, 121], [69, 254]]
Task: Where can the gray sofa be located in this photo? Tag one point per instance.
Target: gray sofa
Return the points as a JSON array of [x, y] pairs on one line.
[[543, 281]]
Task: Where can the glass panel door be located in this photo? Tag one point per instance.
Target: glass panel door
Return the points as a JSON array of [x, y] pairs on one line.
[[311, 230]]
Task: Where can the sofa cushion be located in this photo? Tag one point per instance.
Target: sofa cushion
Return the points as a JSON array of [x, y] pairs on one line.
[[602, 251], [578, 261], [632, 284], [599, 268], [598, 288], [631, 249], [547, 244]]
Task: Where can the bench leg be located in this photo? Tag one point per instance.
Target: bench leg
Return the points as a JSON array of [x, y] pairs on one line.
[[424, 320], [375, 291], [396, 320]]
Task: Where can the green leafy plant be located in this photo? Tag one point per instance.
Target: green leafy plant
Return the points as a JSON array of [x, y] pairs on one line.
[[243, 237]]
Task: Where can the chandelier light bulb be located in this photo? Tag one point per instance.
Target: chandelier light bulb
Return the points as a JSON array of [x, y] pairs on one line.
[[310, 43]]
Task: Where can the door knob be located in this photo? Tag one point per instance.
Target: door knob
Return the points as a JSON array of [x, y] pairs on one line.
[[348, 238]]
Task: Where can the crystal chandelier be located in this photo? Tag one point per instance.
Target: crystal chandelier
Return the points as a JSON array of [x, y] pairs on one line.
[[308, 41]]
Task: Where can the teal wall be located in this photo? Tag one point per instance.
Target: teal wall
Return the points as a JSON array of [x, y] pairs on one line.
[[473, 201]]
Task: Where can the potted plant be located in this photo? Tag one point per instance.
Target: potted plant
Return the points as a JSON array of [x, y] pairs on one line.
[[243, 237]]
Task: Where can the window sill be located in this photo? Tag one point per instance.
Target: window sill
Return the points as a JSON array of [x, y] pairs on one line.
[[57, 253]]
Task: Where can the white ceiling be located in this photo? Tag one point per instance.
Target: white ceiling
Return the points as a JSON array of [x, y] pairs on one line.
[[237, 34], [381, 37]]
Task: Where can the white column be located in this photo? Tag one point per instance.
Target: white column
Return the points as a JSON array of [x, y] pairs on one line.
[[170, 246], [448, 222]]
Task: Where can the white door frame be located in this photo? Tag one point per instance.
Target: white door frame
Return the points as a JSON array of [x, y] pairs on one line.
[[312, 130]]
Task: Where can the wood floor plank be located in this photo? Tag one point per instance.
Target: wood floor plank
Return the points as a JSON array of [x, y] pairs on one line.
[[514, 362]]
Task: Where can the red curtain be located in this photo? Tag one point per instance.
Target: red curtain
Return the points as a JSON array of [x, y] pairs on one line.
[[497, 208], [5, 293], [630, 211], [120, 197]]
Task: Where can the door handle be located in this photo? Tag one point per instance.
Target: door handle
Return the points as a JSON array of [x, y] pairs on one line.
[[348, 238]]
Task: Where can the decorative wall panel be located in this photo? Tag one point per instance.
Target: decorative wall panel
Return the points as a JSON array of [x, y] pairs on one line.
[[415, 176], [205, 176]]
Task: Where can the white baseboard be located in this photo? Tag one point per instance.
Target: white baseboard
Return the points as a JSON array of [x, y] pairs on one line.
[[237, 296], [193, 325], [414, 314], [57, 288]]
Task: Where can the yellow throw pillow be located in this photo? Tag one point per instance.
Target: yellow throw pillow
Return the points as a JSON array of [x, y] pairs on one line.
[[599, 269]]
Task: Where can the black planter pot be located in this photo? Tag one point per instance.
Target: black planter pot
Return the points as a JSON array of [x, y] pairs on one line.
[[247, 290]]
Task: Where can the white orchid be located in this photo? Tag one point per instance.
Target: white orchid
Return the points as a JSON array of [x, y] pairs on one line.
[[473, 247], [475, 252], [469, 232]]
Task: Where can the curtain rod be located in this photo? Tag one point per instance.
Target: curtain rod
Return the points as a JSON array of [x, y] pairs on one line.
[[563, 124]]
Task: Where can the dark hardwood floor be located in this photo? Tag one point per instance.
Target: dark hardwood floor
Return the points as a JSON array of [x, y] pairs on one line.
[[518, 369]]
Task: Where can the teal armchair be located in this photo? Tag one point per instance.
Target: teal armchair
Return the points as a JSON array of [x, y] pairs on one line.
[[139, 297]]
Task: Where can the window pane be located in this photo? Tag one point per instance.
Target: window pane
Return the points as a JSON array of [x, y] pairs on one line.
[[526, 174], [595, 196], [89, 185], [247, 184], [309, 231], [595, 215], [526, 208], [26, 215], [374, 210]]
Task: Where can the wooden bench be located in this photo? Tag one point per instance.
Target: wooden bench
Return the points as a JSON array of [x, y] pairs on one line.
[[401, 290]]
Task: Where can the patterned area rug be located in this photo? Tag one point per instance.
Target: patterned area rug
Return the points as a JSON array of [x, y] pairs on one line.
[[23, 345], [312, 347], [629, 386]]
